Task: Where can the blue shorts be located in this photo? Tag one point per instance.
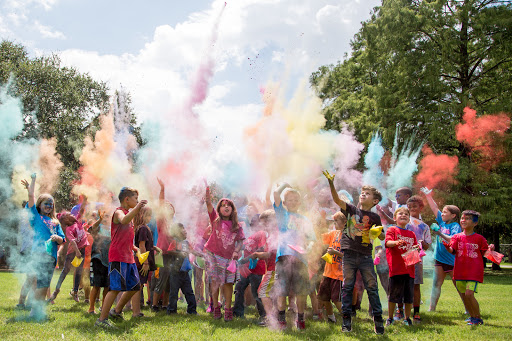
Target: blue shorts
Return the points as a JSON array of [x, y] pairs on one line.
[[123, 276], [44, 267]]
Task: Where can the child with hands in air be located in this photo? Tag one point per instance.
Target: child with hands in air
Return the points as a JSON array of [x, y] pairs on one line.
[[48, 235], [123, 274]]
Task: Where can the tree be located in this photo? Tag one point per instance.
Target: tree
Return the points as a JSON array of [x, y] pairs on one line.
[[418, 64]]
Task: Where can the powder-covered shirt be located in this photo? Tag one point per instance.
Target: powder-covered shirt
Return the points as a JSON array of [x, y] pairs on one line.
[[221, 240], [334, 270], [121, 246], [294, 229], [420, 229], [100, 248], [44, 227], [356, 235], [440, 253], [77, 233], [164, 235], [256, 243], [394, 254], [469, 250]]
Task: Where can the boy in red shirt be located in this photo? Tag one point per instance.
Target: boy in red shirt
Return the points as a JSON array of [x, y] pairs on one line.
[[123, 274], [469, 248], [401, 277]]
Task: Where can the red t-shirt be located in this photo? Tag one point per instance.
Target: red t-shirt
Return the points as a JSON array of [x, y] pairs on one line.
[[255, 242], [164, 235], [394, 254], [121, 247], [469, 264]]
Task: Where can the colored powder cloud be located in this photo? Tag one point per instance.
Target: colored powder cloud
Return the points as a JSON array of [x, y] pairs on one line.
[[436, 170]]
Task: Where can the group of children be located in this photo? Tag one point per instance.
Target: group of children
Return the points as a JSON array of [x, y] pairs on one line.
[[276, 253]]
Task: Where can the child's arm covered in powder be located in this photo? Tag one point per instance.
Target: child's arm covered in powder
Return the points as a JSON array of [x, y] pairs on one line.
[[335, 196]]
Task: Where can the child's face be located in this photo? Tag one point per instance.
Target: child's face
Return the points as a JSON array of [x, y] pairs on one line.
[[132, 201], [340, 222], [466, 222], [225, 209], [366, 199], [402, 218], [183, 233], [46, 206], [401, 198], [292, 201], [414, 209], [446, 215]]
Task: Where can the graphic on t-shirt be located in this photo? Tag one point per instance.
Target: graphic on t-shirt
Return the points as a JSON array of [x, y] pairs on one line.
[[358, 229], [294, 223], [467, 249]]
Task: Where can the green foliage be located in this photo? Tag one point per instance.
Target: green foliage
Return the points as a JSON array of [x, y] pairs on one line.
[[418, 64]]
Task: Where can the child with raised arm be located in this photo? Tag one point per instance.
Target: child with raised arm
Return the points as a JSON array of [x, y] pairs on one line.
[[448, 223], [332, 281], [47, 236], [296, 236], [224, 242], [399, 240], [123, 274], [469, 248], [357, 251]]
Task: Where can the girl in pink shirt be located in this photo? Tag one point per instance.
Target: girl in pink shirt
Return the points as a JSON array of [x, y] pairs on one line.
[[224, 241]]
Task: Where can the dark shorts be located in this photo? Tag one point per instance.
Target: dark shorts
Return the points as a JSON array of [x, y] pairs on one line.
[[162, 282], [123, 277], [99, 274], [330, 290], [291, 277], [446, 267], [401, 289], [44, 267]]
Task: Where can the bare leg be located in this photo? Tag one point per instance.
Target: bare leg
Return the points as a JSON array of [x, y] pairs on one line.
[[227, 290], [92, 298], [136, 302], [407, 310], [107, 304], [391, 309], [439, 276], [301, 303]]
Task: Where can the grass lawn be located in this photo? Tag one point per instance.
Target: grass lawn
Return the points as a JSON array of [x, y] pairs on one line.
[[69, 321]]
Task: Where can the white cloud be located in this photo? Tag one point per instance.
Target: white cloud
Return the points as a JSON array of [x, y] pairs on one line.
[[47, 32]]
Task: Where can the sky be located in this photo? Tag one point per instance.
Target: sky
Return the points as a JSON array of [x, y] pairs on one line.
[[152, 49]]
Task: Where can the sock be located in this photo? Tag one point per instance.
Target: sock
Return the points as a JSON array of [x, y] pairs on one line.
[[281, 316], [300, 317], [416, 310], [332, 317]]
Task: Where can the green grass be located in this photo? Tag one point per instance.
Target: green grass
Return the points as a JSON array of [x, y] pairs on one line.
[[69, 321]]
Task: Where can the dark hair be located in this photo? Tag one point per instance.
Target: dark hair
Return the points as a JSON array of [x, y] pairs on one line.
[[417, 199], [474, 215], [234, 214], [127, 192], [24, 203], [404, 190]]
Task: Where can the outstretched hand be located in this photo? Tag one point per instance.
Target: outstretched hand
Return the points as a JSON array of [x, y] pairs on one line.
[[160, 182], [25, 183], [328, 176], [426, 190]]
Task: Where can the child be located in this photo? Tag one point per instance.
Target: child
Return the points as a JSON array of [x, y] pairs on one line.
[[25, 238], [296, 231], [77, 240], [401, 277], [401, 195], [99, 261], [164, 224], [422, 231], [48, 235], [357, 251], [123, 274], [469, 248], [179, 267], [144, 241], [332, 282], [448, 222], [225, 238]]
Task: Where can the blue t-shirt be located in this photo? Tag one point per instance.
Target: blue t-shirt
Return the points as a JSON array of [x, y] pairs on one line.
[[441, 254], [294, 229], [44, 228]]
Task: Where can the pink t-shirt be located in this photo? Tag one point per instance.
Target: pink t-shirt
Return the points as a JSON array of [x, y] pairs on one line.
[[121, 247], [77, 233], [469, 265], [221, 241], [394, 254]]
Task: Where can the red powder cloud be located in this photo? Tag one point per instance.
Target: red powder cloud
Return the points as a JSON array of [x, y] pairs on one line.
[[436, 169], [482, 135]]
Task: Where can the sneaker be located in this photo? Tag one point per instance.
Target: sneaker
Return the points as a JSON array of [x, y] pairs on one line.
[[105, 324], [379, 325], [262, 322], [331, 320], [217, 313], [52, 298], [116, 316], [20, 306], [475, 321], [399, 315], [75, 297], [408, 322], [86, 301], [416, 318], [347, 324], [228, 314], [155, 309], [389, 322], [81, 292], [301, 325], [281, 325], [468, 319], [210, 308]]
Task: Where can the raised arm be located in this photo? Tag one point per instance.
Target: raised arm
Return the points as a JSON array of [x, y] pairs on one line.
[[82, 206], [430, 200], [31, 189], [334, 194], [161, 197], [277, 193], [208, 200], [123, 219]]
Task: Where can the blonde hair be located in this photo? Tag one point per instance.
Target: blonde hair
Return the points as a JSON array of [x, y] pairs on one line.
[[400, 209], [138, 220], [52, 214]]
